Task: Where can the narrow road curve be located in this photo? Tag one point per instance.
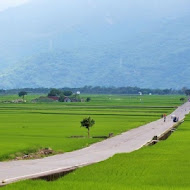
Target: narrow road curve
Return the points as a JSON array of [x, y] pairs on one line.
[[126, 142]]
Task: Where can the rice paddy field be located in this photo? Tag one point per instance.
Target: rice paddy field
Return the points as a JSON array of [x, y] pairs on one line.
[[28, 127], [164, 166]]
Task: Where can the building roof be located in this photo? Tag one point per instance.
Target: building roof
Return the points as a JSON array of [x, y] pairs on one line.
[[53, 98]]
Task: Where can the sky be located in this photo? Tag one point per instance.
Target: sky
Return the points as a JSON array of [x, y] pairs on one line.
[[5, 4], [156, 6]]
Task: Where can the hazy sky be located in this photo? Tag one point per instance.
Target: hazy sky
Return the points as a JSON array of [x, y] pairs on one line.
[[5, 4], [158, 7]]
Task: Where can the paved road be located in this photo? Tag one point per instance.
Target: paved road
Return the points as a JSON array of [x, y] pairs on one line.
[[126, 142]]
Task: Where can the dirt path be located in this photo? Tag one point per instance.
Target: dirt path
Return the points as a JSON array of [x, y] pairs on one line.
[[126, 142]]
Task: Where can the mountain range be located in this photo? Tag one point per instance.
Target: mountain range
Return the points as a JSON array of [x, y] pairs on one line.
[[98, 43]]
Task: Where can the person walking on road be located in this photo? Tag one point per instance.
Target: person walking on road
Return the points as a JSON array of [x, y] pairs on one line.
[[164, 116]]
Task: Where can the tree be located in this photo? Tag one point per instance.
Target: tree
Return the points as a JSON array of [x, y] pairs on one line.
[[68, 93], [61, 98], [88, 99], [87, 123], [22, 94], [182, 99], [187, 92], [55, 92]]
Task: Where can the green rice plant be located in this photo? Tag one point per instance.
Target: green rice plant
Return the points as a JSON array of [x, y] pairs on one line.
[[28, 127], [165, 166]]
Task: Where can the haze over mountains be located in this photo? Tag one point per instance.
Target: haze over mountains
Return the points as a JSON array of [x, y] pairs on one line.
[[74, 43]]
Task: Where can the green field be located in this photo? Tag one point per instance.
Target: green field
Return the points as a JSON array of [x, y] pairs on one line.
[[28, 127], [165, 166], [117, 100]]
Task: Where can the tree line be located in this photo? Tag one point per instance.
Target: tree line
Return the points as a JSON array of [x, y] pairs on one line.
[[101, 90]]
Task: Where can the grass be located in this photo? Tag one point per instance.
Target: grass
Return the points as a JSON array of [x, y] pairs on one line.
[[165, 166], [28, 127]]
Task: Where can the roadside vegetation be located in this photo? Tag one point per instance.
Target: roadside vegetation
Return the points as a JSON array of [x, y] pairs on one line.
[[165, 166]]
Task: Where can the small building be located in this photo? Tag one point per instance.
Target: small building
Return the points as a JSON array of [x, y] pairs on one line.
[[67, 99], [55, 98], [78, 92]]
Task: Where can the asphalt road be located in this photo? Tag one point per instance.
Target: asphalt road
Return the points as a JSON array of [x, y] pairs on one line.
[[126, 142]]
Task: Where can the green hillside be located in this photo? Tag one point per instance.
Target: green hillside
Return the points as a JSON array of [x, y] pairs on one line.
[[146, 47]]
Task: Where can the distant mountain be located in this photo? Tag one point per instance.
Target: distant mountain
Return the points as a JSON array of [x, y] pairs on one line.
[[109, 43]]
